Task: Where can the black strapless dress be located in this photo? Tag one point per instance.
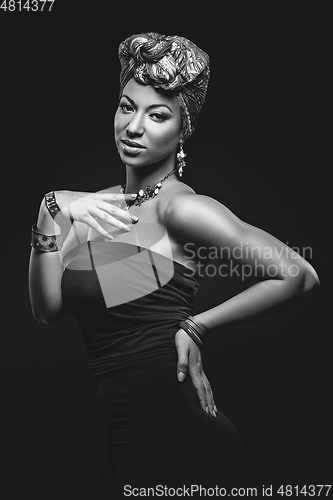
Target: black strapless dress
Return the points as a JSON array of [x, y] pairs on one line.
[[129, 302]]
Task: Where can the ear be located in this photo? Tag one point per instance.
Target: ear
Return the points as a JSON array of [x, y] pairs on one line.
[[181, 135], [181, 130]]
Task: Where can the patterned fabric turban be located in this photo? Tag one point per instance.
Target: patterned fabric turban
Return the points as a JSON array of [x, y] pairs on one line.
[[170, 63]]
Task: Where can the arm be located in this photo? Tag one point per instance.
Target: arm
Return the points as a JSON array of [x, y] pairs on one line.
[[46, 269], [45, 273], [283, 275]]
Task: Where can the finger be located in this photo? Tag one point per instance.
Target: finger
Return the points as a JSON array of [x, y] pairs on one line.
[[183, 358], [201, 390], [116, 212], [90, 221], [205, 393], [109, 219], [196, 376], [116, 197], [181, 370], [209, 395]]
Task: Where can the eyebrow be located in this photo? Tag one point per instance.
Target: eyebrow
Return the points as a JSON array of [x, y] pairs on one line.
[[157, 105]]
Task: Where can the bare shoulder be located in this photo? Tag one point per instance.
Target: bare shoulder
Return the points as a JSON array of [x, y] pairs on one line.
[[184, 203], [188, 207], [200, 218], [175, 190]]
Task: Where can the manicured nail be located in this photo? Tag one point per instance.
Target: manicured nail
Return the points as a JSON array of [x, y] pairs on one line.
[[214, 413], [181, 377], [207, 409], [134, 219], [127, 228], [110, 237], [215, 409], [134, 195]]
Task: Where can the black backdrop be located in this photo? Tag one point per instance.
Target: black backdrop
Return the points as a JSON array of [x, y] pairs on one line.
[[262, 147]]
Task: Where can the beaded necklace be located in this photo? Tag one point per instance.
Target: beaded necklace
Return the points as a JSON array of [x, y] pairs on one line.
[[148, 194]]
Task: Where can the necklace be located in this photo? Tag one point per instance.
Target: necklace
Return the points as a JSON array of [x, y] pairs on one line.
[[148, 194]]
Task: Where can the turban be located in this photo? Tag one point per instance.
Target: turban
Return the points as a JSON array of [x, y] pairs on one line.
[[171, 63]]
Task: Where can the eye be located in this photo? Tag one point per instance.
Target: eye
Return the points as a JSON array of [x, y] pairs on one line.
[[158, 116], [125, 107]]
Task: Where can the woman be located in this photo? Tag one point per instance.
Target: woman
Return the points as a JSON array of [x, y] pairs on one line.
[[117, 261]]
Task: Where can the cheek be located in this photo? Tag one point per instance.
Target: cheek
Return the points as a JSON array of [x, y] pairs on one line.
[[166, 139], [115, 124], [118, 123]]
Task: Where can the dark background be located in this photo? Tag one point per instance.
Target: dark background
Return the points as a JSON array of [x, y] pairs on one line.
[[262, 147]]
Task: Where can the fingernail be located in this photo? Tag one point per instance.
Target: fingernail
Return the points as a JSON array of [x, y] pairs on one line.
[[181, 377], [206, 409], [214, 413], [127, 228], [110, 237], [133, 196], [134, 219], [215, 409]]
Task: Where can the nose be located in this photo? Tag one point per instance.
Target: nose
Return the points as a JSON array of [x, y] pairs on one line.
[[135, 127]]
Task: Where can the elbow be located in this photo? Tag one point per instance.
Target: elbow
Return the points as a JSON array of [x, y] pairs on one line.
[[47, 312], [42, 320], [45, 322], [309, 278], [312, 281], [46, 319], [301, 279]]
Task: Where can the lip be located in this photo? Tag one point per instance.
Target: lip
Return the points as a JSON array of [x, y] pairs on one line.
[[132, 144], [130, 150]]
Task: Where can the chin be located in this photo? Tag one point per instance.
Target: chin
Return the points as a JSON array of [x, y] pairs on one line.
[[132, 161], [135, 161]]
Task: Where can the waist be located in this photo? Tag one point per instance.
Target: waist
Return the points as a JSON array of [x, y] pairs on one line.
[[110, 347], [111, 361]]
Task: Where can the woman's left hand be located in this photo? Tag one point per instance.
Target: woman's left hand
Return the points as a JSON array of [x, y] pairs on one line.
[[189, 359]]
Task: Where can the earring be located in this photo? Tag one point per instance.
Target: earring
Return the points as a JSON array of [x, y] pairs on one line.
[[180, 159]]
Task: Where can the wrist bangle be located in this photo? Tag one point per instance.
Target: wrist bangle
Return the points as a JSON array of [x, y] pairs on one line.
[[45, 242], [51, 204], [54, 209], [199, 329], [192, 333]]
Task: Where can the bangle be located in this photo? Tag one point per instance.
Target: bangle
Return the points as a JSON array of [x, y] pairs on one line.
[[55, 211], [51, 204], [200, 329], [45, 242], [191, 333]]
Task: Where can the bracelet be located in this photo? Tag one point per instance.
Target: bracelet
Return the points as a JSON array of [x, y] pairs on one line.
[[187, 327], [55, 211], [200, 329], [51, 204], [45, 242]]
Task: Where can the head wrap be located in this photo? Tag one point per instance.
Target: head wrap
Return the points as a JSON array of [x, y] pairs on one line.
[[171, 63]]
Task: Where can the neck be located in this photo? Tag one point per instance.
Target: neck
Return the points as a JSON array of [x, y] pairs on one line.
[[140, 177]]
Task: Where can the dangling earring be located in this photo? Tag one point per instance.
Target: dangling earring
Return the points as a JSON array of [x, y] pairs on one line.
[[180, 159]]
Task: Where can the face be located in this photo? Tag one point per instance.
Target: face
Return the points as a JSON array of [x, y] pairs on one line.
[[147, 125]]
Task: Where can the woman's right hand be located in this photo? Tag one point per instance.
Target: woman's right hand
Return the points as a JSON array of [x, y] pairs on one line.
[[89, 207]]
